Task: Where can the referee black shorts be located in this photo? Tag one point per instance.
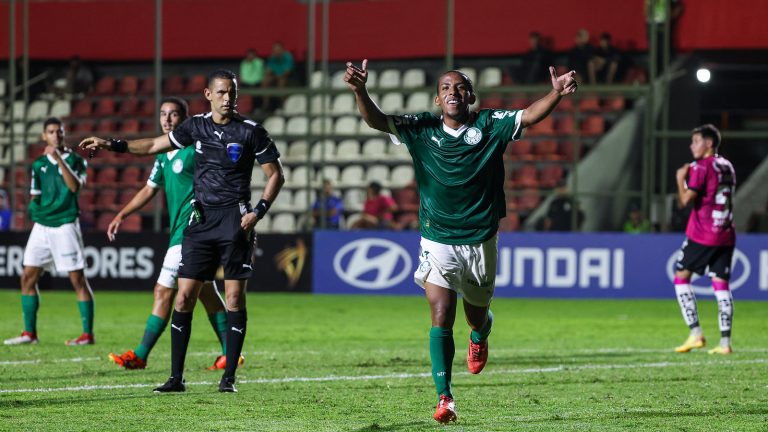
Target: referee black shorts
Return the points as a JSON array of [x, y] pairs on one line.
[[697, 257], [218, 239]]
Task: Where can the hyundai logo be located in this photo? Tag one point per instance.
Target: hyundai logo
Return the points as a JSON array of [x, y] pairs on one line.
[[372, 263], [740, 270]]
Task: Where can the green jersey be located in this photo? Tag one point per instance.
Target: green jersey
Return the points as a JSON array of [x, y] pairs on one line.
[[174, 172], [460, 173], [53, 204]]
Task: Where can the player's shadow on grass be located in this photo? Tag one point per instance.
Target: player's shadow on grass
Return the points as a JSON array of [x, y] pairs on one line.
[[557, 360], [375, 427], [67, 399]]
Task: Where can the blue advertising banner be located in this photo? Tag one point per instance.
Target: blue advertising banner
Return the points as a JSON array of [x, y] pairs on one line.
[[561, 265]]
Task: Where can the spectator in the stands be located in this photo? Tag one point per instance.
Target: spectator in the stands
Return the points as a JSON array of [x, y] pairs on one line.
[[636, 223], [605, 62], [278, 71], [536, 61], [378, 210], [560, 214], [580, 56], [251, 70], [77, 79], [334, 207], [5, 212]]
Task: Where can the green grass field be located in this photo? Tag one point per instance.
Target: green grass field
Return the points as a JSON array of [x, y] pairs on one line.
[[339, 363]]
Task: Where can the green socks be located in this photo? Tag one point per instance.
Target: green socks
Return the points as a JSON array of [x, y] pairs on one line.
[[482, 334], [219, 322], [441, 351], [86, 315], [29, 306], [153, 330]]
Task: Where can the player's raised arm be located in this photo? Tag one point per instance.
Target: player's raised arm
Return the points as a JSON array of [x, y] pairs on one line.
[[142, 197], [144, 146], [372, 114], [561, 85]]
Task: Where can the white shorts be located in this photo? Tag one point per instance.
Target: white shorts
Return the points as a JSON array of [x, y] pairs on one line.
[[470, 270], [57, 249], [169, 273]]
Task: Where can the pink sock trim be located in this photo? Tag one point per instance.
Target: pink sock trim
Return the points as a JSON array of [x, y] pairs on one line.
[[679, 281], [720, 285]]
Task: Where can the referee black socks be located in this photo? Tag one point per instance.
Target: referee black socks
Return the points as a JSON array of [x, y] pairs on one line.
[[235, 337], [181, 329]]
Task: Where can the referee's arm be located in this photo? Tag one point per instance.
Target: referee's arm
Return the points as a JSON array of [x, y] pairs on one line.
[[144, 146]]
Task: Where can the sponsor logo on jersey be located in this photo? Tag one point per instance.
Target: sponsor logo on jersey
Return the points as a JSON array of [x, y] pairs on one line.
[[218, 134], [234, 150], [439, 141], [372, 263], [473, 136], [199, 147], [44, 168], [177, 166], [502, 113], [740, 270]]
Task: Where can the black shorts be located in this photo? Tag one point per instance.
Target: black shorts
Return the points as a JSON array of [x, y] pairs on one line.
[[217, 240], [696, 257]]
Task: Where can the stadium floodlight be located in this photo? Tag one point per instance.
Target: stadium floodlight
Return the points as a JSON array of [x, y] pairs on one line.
[[703, 75]]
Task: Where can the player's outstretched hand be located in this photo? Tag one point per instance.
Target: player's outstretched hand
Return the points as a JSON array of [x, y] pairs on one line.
[[94, 143], [113, 226], [356, 77], [564, 84]]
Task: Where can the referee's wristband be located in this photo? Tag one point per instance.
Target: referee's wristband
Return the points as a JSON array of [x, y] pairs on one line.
[[261, 208], [118, 145]]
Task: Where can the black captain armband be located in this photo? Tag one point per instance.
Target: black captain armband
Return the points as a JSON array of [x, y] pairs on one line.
[[261, 208], [118, 145]]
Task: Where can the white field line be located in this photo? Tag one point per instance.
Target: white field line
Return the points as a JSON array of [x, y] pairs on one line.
[[332, 378]]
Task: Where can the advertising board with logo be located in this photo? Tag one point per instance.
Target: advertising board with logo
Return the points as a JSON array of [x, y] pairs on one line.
[[283, 263], [536, 265]]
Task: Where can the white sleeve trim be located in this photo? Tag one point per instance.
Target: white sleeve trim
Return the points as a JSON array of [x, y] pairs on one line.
[[152, 184], [518, 125], [266, 148], [174, 142], [393, 135], [34, 191]]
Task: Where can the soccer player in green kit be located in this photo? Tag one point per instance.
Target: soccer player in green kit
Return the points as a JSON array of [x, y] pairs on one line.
[[457, 160], [174, 173], [55, 240]]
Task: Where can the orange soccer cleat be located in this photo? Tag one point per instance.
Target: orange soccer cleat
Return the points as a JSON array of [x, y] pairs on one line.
[[446, 410], [128, 360], [477, 356], [221, 363]]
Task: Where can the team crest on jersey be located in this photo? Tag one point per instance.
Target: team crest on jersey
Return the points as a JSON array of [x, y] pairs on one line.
[[473, 136], [177, 166], [234, 150]]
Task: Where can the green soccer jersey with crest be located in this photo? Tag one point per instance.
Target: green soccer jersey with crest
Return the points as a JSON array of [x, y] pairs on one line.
[[459, 173], [174, 172], [53, 204]]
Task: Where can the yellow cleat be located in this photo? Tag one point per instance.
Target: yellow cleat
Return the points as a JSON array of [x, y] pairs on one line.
[[691, 343], [723, 350]]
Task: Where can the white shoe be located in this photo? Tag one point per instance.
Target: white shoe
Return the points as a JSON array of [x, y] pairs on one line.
[[25, 338]]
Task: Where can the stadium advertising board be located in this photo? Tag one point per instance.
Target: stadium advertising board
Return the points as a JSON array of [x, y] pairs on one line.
[[133, 262], [536, 265]]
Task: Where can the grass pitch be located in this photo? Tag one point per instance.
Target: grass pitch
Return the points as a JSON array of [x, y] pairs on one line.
[[343, 363]]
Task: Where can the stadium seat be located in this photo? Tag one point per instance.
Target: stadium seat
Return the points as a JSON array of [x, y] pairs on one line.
[[320, 104], [397, 152], [375, 149], [493, 101], [551, 176], [298, 125], [302, 200], [173, 85], [147, 86], [352, 176], [419, 102], [547, 150], [83, 108], [61, 108], [392, 103], [518, 101], [106, 199], [414, 78], [526, 176], [105, 86], [258, 179], [87, 199], [565, 125], [106, 176], [275, 125], [150, 126], [401, 175], [519, 150], [321, 126], [129, 85], [510, 223], [131, 224], [129, 107], [378, 173], [316, 79], [105, 107], [545, 127], [148, 108], [348, 149], [471, 73], [343, 104], [38, 110], [529, 200], [346, 125], [354, 199], [635, 75], [130, 175], [615, 103], [407, 198], [299, 177], [130, 126], [196, 84], [566, 104], [364, 130], [589, 103], [389, 79], [84, 127], [328, 172], [593, 125], [283, 202], [297, 152], [325, 150], [19, 220], [295, 104], [198, 105], [244, 105], [104, 219], [283, 223], [490, 77], [407, 220], [106, 126]]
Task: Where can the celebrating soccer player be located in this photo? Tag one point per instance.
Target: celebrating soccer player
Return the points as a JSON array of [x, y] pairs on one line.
[[173, 172], [457, 159], [709, 183], [221, 230], [56, 240]]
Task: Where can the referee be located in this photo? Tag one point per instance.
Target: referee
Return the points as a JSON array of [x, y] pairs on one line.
[[221, 229]]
